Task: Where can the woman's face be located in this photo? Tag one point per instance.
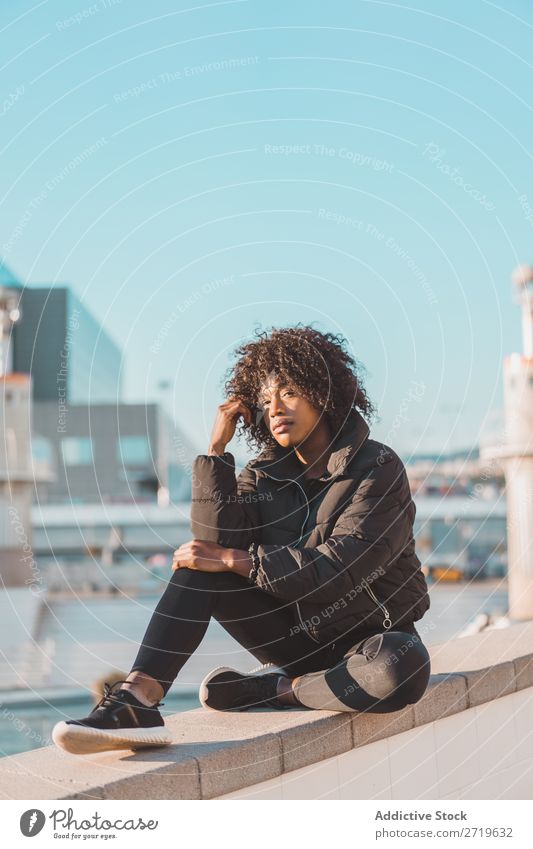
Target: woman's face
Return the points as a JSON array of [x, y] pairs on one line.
[[289, 417]]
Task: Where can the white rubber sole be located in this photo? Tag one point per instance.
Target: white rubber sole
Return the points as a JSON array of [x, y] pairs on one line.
[[267, 667], [82, 740], [203, 693]]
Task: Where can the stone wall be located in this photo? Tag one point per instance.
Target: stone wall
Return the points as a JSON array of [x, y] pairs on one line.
[[470, 736]]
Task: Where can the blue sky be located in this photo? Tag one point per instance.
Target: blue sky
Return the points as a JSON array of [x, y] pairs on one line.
[[196, 169]]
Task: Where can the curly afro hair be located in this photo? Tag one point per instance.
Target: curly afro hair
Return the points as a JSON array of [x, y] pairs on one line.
[[315, 364]]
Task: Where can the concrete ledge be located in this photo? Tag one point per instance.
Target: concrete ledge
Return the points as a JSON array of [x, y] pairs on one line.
[[370, 727], [523, 671], [446, 694], [214, 754], [320, 735], [483, 685]]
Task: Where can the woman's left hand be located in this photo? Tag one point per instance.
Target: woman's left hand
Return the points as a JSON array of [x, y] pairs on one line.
[[202, 555]]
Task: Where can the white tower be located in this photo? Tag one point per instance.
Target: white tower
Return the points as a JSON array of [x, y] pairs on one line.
[[9, 314], [516, 455]]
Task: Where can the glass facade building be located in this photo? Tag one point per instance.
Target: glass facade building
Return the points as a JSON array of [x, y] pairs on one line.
[[69, 355]]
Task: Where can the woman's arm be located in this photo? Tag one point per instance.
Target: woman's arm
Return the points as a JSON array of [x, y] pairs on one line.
[[210, 557], [219, 513], [224, 509]]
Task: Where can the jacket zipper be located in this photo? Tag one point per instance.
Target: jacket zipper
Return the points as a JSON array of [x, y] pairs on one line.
[[387, 621], [316, 640], [291, 480]]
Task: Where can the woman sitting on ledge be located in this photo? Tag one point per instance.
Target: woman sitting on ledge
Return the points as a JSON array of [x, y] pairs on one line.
[[307, 558]]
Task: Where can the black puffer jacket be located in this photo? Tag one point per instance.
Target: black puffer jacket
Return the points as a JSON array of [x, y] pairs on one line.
[[344, 559]]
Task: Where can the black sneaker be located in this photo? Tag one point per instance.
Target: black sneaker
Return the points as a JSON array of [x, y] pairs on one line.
[[226, 689], [118, 721]]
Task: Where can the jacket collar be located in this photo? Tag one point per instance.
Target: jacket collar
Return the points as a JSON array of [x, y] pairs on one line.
[[282, 463]]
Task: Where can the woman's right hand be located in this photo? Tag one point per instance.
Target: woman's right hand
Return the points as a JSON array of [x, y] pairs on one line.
[[228, 415]]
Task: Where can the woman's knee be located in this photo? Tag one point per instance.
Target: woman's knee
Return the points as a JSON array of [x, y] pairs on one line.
[[403, 661], [185, 576], [419, 673], [410, 666]]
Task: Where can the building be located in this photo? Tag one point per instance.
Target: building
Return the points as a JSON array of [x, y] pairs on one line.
[[69, 355], [109, 453], [94, 447]]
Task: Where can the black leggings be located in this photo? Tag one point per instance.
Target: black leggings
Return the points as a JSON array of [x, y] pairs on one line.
[[397, 670]]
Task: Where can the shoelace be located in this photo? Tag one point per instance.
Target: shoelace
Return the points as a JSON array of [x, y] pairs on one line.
[[259, 685], [109, 698]]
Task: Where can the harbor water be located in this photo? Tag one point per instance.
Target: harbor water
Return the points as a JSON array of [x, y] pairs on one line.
[[82, 640]]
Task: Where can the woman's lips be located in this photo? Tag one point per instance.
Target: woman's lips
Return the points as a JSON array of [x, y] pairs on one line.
[[282, 428]]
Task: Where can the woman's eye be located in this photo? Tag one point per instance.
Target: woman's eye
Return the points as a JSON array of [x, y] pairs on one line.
[[265, 402]]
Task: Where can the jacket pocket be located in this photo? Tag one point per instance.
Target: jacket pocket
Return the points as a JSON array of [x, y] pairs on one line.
[[387, 621]]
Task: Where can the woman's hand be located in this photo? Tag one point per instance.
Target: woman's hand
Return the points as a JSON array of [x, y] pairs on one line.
[[210, 557], [226, 422]]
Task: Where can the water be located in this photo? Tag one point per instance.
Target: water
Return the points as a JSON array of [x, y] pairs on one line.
[[24, 727], [82, 640]]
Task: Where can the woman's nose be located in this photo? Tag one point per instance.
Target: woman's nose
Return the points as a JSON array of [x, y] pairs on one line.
[[276, 405]]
